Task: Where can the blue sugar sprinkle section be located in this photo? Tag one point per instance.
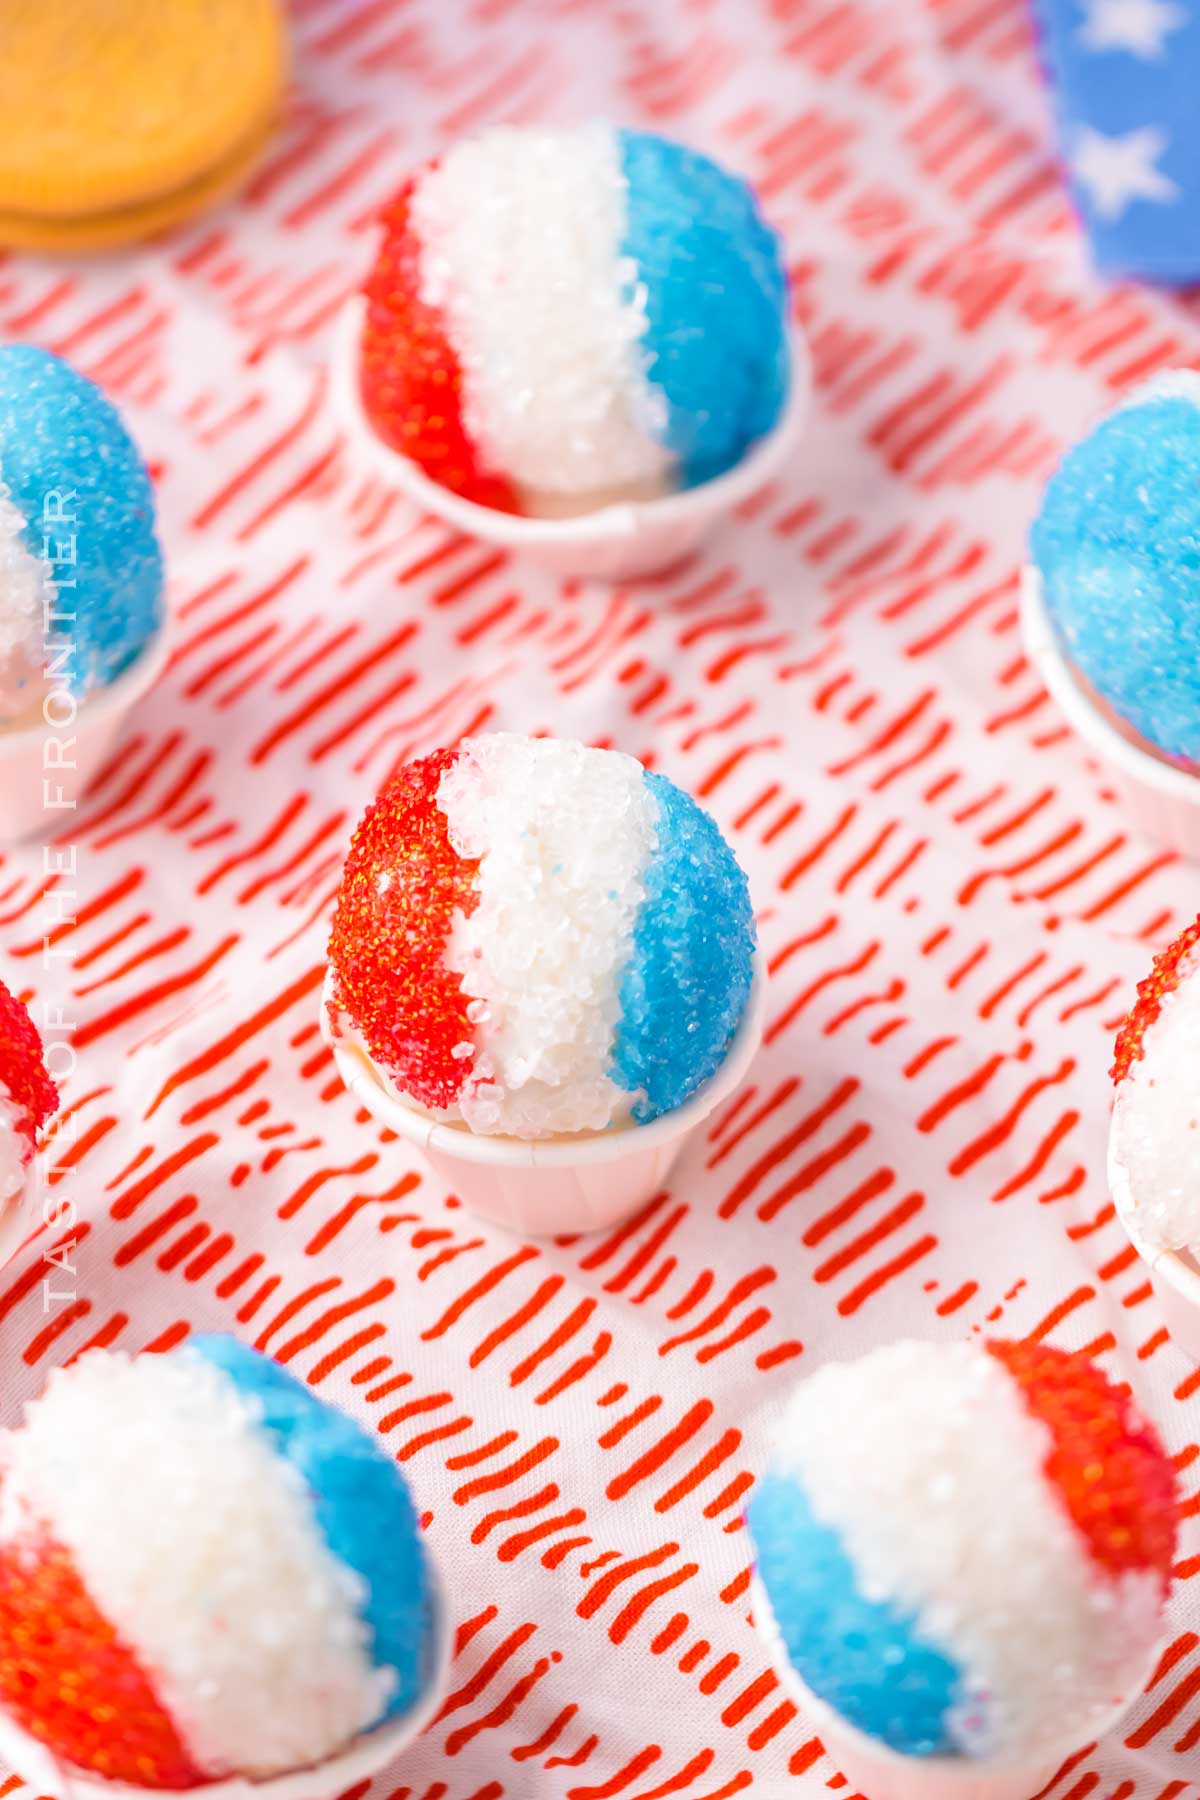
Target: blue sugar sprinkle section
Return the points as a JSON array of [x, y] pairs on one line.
[[716, 299], [362, 1506], [59, 436], [1117, 543], [864, 1658], [685, 987]]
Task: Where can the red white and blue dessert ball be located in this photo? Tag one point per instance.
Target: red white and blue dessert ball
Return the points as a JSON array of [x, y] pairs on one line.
[[81, 578], [536, 938], [964, 1550], [1155, 1141], [561, 318], [204, 1571], [1115, 544], [28, 1096]]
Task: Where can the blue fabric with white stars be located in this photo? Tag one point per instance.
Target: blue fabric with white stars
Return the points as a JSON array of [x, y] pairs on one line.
[[1126, 74]]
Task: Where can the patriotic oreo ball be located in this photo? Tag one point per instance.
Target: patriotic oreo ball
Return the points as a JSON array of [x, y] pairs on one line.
[[536, 937], [561, 318], [204, 1571], [27, 1096], [1155, 1134], [964, 1550], [1116, 546], [81, 576]]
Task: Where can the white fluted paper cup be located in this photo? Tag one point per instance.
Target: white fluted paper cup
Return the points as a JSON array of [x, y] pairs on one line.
[[38, 796], [366, 1757], [615, 542], [541, 1187], [1174, 1274], [1162, 798], [872, 1768]]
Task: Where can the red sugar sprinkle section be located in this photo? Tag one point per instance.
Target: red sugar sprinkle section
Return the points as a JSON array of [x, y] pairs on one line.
[[410, 379], [22, 1068], [1107, 1463], [69, 1681], [403, 883], [1168, 972]]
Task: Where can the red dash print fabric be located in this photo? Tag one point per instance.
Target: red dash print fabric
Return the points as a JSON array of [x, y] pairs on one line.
[[954, 907]]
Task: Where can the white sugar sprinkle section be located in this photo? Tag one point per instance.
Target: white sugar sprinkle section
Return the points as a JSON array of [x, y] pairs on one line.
[[564, 835], [1156, 1125], [1170, 384], [904, 1454], [520, 233], [16, 1152], [199, 1545], [26, 597]]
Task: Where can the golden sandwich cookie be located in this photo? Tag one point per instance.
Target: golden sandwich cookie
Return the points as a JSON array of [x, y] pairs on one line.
[[123, 117], [130, 224]]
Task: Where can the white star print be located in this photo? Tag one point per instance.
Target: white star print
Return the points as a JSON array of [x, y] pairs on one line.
[[1117, 170], [1138, 26]]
